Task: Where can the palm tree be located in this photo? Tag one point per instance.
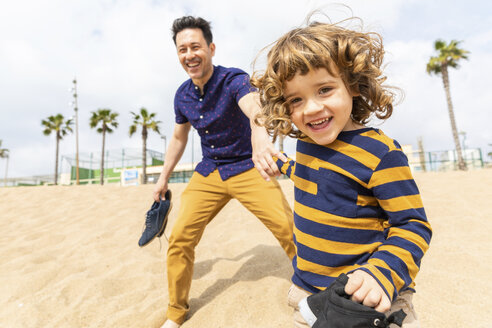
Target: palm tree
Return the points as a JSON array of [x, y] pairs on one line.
[[448, 56], [107, 120], [61, 128], [4, 153], [147, 121]]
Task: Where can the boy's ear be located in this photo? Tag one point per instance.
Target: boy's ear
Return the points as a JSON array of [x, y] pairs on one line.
[[354, 91]]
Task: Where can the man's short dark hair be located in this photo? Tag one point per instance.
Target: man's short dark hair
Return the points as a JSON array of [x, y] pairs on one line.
[[192, 22]]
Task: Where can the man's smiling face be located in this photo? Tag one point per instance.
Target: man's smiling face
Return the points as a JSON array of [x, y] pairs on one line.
[[195, 55]]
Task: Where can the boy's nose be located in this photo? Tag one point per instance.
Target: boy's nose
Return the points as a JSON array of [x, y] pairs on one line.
[[313, 106]]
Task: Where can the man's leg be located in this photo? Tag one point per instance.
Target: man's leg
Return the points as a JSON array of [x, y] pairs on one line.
[[266, 200], [202, 199]]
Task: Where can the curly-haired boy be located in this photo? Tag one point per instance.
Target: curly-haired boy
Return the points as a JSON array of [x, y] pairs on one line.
[[357, 208]]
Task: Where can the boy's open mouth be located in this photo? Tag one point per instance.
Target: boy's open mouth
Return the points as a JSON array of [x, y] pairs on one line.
[[320, 124]]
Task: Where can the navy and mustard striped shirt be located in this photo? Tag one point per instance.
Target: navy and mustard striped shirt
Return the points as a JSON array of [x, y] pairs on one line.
[[356, 207]]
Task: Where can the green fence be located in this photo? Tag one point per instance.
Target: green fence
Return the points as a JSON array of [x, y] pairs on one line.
[[444, 160]]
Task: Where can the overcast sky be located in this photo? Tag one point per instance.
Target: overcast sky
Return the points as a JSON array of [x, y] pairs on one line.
[[123, 57]]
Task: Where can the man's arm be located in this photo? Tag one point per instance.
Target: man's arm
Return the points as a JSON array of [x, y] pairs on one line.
[[174, 152], [263, 149]]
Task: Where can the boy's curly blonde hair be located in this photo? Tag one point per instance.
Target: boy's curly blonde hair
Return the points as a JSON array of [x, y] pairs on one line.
[[354, 56]]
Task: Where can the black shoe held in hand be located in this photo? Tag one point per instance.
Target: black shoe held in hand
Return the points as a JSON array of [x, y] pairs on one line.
[[332, 308], [156, 219]]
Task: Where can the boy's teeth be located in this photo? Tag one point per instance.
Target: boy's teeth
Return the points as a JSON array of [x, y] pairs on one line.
[[320, 121]]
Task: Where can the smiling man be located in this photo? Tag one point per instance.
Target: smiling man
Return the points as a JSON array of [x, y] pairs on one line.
[[221, 105]]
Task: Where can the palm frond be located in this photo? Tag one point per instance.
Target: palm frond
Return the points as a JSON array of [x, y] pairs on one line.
[[448, 54], [56, 123], [4, 152], [105, 118], [136, 117], [439, 44], [145, 120]]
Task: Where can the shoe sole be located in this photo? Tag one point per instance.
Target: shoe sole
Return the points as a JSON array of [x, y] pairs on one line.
[[306, 312], [164, 224], [168, 196]]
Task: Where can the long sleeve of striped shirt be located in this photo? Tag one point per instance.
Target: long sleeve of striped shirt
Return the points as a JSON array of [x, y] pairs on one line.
[[356, 206]]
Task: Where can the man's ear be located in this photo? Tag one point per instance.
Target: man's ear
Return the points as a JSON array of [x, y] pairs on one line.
[[212, 48]]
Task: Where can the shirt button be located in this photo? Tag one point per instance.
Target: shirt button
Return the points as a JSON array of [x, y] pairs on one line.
[[200, 99], [212, 146], [206, 131], [201, 116], [215, 157], [196, 88]]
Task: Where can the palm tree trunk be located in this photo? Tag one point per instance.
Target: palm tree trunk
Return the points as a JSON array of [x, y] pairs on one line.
[[144, 155], [102, 156], [56, 156], [445, 80], [281, 143]]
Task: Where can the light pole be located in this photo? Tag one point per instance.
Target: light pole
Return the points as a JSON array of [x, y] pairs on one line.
[[463, 133], [76, 109], [165, 147]]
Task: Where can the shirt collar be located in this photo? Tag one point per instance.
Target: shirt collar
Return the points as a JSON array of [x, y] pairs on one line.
[[212, 77]]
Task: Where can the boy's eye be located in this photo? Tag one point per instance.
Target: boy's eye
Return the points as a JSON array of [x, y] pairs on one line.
[[325, 90], [294, 101]]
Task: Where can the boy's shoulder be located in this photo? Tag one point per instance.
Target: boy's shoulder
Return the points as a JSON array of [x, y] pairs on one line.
[[367, 145], [371, 140]]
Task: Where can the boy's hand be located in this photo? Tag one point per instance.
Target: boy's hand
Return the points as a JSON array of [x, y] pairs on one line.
[[366, 290]]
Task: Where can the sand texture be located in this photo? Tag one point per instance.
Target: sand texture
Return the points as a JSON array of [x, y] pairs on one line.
[[69, 258]]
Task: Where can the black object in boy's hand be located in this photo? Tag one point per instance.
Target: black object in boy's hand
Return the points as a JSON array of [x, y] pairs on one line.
[[332, 308]]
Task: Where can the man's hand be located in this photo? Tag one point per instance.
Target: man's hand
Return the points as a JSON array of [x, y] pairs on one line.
[[263, 150], [366, 290], [159, 190]]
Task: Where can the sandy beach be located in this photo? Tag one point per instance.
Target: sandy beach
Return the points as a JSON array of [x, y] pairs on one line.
[[69, 258]]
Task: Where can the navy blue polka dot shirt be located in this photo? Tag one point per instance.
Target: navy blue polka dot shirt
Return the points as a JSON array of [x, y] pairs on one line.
[[224, 129]]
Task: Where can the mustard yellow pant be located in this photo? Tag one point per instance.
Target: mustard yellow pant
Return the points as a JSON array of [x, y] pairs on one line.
[[202, 199]]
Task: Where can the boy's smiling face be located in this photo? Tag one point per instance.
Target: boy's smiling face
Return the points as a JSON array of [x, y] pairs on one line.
[[320, 105]]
